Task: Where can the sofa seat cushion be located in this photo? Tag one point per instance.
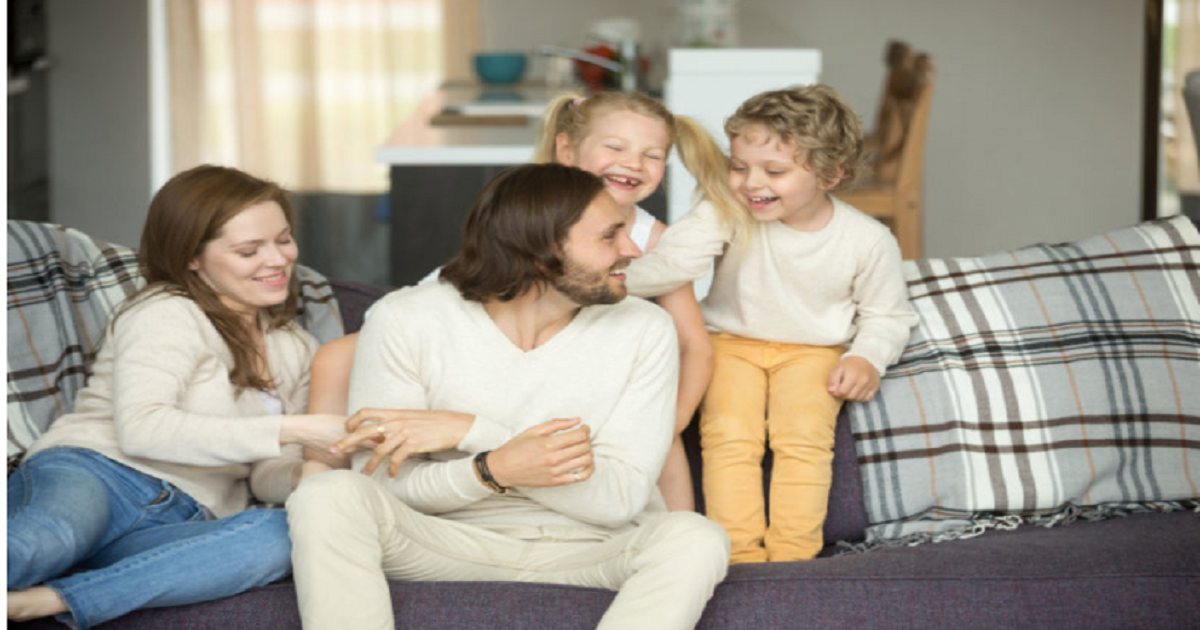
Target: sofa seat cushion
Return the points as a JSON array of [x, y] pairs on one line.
[[1140, 571]]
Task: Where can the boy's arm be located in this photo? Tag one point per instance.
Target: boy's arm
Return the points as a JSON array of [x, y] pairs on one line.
[[883, 315], [683, 254]]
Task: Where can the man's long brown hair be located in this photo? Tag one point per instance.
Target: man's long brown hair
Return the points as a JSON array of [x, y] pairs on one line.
[[186, 214], [512, 240]]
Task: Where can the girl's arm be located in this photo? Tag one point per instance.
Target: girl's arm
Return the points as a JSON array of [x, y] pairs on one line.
[[695, 346], [695, 352], [695, 371], [329, 392], [273, 480]]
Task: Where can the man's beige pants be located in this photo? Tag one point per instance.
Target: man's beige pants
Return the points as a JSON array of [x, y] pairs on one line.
[[350, 535]]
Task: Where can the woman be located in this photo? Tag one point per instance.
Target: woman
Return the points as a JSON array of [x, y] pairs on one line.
[[141, 494]]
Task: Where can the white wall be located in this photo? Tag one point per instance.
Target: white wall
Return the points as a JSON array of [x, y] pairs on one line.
[[1035, 128], [99, 122]]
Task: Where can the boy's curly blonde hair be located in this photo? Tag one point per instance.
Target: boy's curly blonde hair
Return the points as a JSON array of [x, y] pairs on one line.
[[817, 120]]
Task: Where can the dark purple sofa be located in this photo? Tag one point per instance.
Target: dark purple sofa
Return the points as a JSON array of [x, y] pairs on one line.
[[1139, 571]]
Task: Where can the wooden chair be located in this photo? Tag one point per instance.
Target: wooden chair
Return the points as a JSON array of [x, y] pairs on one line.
[[893, 193]]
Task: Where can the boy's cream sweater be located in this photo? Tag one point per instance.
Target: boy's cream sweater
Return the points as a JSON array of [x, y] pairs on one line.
[[841, 285]]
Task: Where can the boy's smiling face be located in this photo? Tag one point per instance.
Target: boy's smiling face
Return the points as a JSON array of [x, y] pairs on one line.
[[775, 185]]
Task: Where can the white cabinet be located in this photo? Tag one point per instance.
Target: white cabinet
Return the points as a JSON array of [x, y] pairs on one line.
[[708, 84]]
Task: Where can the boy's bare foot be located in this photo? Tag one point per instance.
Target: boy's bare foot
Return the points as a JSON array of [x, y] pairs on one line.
[[33, 603]]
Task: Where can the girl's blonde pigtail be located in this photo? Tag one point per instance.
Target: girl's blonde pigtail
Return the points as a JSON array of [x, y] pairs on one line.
[[706, 162], [544, 147]]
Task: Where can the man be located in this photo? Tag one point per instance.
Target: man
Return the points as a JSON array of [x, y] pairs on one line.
[[536, 412]]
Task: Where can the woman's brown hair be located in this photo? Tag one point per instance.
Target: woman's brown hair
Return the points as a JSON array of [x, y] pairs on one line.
[[186, 214], [513, 236]]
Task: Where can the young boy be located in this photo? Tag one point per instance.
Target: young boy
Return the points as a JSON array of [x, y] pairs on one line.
[[807, 309]]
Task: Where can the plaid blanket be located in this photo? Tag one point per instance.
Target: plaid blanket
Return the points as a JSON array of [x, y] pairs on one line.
[[62, 286], [1041, 384]]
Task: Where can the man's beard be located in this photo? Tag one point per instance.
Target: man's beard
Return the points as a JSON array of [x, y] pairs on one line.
[[586, 287]]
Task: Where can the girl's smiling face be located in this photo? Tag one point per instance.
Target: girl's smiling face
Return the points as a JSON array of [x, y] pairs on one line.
[[773, 182], [628, 150]]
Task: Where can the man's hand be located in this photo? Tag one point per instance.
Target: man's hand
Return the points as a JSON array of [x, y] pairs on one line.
[[854, 379], [395, 434], [554, 453]]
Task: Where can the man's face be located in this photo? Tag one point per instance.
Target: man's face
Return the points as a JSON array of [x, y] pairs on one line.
[[596, 250]]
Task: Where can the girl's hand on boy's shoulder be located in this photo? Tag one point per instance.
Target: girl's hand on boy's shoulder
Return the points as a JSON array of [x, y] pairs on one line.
[[854, 379]]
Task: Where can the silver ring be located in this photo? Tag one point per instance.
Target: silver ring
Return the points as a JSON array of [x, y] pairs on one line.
[[578, 476], [379, 428]]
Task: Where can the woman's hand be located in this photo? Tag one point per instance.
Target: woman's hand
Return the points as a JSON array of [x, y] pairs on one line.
[[318, 431], [394, 434], [854, 379]]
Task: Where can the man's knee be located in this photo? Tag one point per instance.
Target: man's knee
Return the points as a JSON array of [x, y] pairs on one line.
[[694, 539], [328, 499]]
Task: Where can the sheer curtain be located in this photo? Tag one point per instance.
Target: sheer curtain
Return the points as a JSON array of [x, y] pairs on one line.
[[302, 91], [1187, 58]]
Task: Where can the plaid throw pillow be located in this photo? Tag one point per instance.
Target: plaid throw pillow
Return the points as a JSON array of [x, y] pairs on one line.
[[1041, 385], [62, 286]]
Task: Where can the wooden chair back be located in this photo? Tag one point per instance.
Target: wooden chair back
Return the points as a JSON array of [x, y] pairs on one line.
[[893, 194]]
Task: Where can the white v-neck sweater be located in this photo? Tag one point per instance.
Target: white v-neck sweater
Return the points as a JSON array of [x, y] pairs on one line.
[[615, 367], [841, 285]]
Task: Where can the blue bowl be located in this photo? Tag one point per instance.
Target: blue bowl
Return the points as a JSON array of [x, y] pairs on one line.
[[500, 67]]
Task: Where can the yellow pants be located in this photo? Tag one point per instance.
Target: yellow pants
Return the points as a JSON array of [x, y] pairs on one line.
[[764, 392]]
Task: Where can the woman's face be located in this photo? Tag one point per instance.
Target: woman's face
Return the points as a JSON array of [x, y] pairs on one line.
[[249, 263]]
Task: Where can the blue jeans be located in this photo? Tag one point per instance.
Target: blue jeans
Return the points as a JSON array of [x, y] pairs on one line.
[[134, 541]]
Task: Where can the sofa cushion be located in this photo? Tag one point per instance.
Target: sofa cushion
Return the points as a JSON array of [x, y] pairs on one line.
[[1040, 382], [354, 298], [62, 286], [1138, 572]]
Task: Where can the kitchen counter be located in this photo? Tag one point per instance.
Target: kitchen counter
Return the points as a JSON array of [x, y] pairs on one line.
[[437, 171], [418, 142]]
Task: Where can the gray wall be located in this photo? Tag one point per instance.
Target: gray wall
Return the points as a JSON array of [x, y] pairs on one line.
[[1034, 133], [99, 124]]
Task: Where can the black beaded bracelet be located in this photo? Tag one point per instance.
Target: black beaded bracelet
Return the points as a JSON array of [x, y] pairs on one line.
[[485, 474]]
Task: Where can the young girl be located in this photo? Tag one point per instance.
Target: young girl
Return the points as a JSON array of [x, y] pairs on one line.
[[808, 307], [625, 137], [138, 499]]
